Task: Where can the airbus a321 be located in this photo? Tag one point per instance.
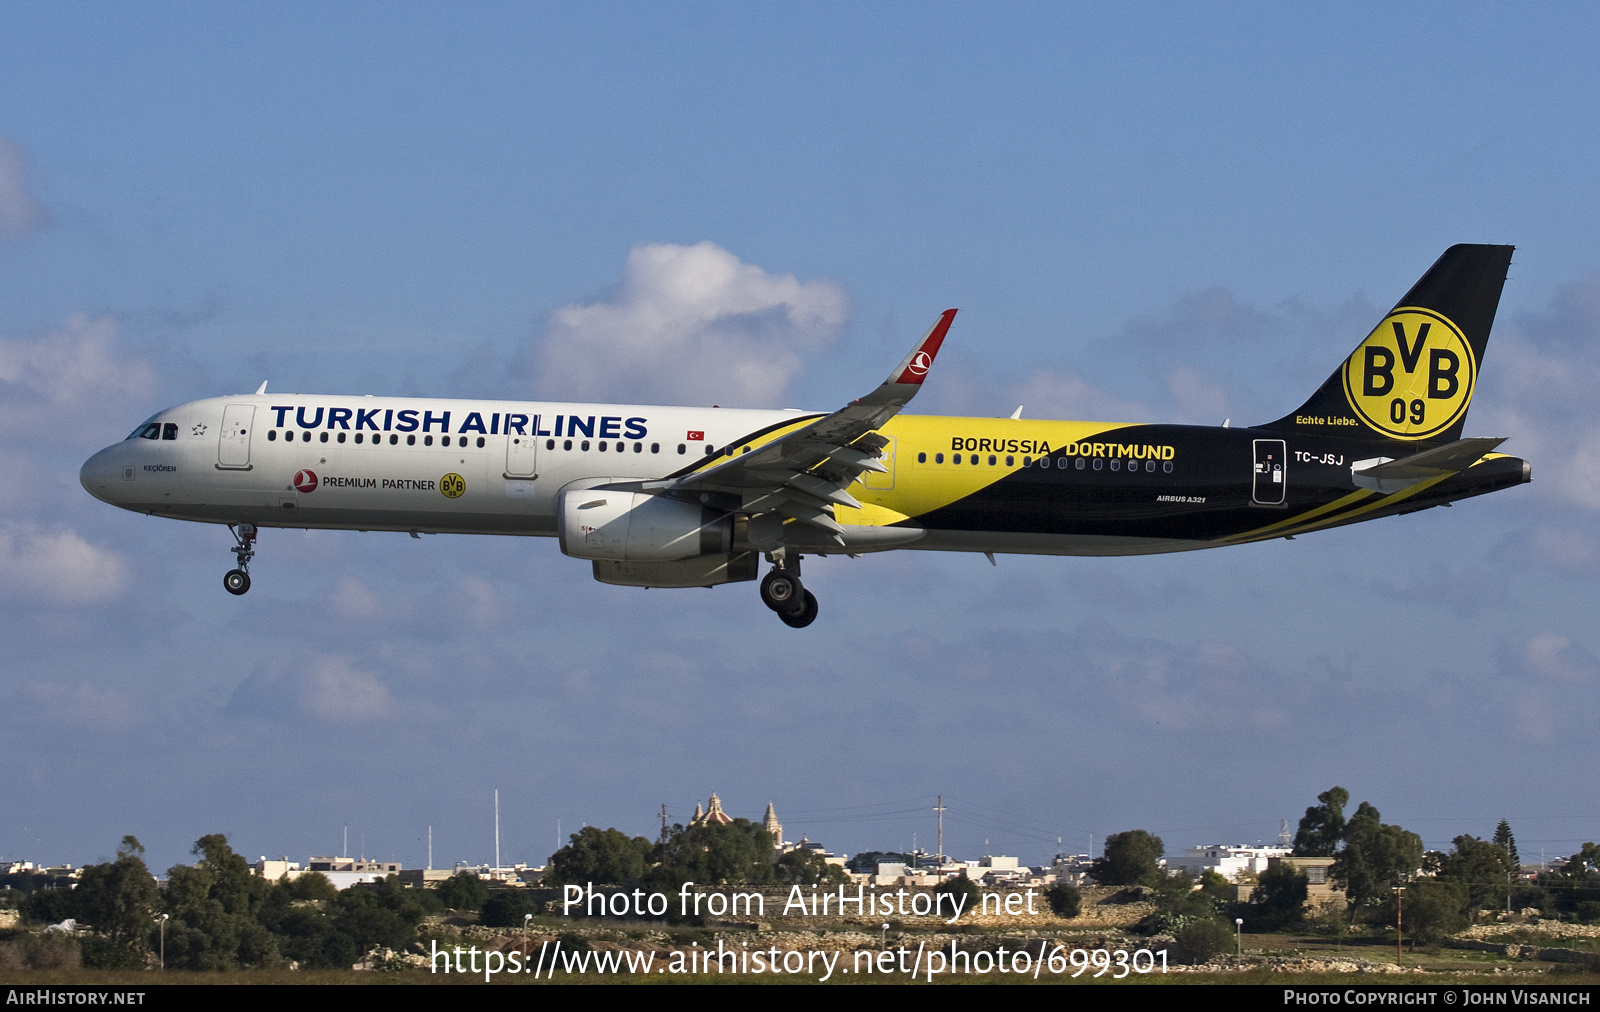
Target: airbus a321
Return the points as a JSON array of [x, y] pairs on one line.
[[695, 496]]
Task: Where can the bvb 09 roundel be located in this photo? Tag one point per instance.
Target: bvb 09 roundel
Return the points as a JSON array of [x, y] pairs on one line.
[[1412, 377], [453, 485]]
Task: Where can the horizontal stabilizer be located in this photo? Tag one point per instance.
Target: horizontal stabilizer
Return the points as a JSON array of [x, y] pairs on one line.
[[1382, 474]]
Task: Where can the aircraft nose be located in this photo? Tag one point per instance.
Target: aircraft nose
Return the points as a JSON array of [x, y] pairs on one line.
[[100, 473]]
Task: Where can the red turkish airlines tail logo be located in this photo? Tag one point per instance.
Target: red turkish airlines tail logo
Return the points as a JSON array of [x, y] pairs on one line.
[[305, 481], [919, 363]]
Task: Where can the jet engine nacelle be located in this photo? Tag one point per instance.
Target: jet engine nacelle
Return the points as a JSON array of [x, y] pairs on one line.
[[608, 526]]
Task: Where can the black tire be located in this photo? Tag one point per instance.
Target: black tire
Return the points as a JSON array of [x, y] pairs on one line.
[[780, 591], [236, 581], [805, 616]]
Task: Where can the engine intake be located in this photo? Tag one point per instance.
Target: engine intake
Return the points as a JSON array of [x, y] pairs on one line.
[[603, 525]]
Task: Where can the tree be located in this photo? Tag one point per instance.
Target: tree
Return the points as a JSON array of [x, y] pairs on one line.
[[1430, 909], [1065, 899], [1200, 939], [1322, 827], [505, 909], [734, 853], [1374, 858], [118, 898], [601, 856], [1279, 899], [1130, 859], [213, 905], [807, 867], [963, 892], [463, 891], [1483, 870], [1508, 843]]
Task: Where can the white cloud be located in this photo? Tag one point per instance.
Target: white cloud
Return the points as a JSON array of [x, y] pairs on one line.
[[353, 599], [57, 567], [328, 687], [1065, 394], [1540, 382], [70, 384], [82, 703], [334, 689], [690, 324], [20, 212]]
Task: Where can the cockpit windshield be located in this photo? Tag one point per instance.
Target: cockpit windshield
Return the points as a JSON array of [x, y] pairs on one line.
[[153, 429]]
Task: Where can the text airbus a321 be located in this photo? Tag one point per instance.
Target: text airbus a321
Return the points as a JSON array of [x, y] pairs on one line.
[[693, 497]]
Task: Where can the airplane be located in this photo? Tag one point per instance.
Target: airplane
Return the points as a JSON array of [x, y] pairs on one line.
[[657, 496]]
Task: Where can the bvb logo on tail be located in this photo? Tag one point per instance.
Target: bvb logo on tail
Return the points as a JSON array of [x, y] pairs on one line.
[[1412, 377]]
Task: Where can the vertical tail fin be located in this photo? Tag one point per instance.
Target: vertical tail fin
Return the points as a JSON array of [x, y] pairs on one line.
[[1412, 378]]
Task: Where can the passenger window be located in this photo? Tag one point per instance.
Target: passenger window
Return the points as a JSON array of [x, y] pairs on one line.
[[682, 448], [549, 444], [427, 440], [272, 435], [411, 440], [394, 440], [1043, 462], [1010, 461], [711, 451], [1098, 463], [602, 447], [324, 437], [1027, 461], [305, 437], [922, 458], [655, 447], [991, 460], [584, 446], [938, 458], [341, 437], [1149, 465], [480, 442], [1063, 463], [1116, 465], [566, 444], [1167, 466]]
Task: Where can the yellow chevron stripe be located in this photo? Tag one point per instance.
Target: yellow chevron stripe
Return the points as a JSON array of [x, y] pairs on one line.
[[1299, 518]]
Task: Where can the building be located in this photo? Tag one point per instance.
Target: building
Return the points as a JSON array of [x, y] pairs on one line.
[[345, 872], [1227, 860]]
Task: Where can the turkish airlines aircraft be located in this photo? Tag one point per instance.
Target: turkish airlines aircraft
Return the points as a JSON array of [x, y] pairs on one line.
[[692, 497]]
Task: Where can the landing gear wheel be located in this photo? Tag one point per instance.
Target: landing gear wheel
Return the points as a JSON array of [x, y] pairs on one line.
[[780, 591], [237, 581], [806, 615]]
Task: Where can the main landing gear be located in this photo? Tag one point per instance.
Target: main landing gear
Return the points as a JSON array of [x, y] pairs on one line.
[[237, 581], [781, 591]]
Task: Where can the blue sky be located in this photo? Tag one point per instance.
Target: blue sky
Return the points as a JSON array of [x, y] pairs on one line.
[[1145, 212]]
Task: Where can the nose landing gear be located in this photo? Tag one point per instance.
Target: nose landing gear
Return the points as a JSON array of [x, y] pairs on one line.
[[237, 581], [782, 592]]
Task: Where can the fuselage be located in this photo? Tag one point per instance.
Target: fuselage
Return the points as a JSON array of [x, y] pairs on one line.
[[951, 483]]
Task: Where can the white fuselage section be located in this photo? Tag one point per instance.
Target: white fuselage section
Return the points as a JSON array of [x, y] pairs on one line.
[[395, 463]]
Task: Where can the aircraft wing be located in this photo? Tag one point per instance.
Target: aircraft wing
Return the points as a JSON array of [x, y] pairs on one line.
[[803, 474]]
